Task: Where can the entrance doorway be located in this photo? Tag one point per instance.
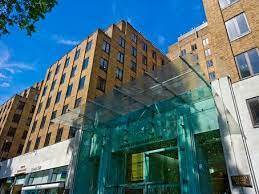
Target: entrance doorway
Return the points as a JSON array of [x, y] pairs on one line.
[[153, 172]]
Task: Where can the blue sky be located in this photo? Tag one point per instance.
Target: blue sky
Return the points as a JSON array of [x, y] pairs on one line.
[[24, 60]]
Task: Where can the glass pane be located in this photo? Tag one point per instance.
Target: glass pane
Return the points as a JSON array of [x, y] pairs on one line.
[[242, 24], [223, 3], [254, 107], [135, 167], [254, 60], [231, 29], [211, 163], [242, 65], [164, 167]]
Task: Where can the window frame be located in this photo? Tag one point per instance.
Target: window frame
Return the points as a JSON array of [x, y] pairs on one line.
[[237, 27], [106, 47], [255, 125], [228, 5], [212, 73], [248, 61], [81, 83]]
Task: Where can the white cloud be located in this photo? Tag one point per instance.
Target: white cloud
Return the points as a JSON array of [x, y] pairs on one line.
[[5, 85], [2, 76], [161, 40], [62, 40], [11, 66]]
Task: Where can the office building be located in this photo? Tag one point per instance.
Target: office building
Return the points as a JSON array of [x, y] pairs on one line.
[[227, 44], [106, 59], [15, 119]]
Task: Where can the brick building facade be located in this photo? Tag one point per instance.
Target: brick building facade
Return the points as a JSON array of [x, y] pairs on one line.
[[15, 118], [233, 37], [106, 59]]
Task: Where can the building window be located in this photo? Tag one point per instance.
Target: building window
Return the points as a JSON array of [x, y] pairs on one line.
[[183, 52], [16, 118], [33, 126], [122, 42], [77, 54], [144, 60], [88, 46], [44, 90], [78, 102], [20, 105], [253, 106], [85, 63], [11, 132], [134, 38], [154, 55], [225, 3], [69, 90], [103, 64], [39, 108], [42, 124], [194, 47], [67, 62], [207, 52], [133, 51], [248, 63], [106, 47], [53, 85], [48, 76], [65, 109], [59, 135], [154, 67], [209, 63], [48, 102], [133, 66], [24, 135], [19, 151], [237, 27], [101, 84], [144, 46], [72, 132], [28, 122], [119, 73], [81, 83], [120, 57], [73, 72], [6, 147], [58, 97], [57, 69], [63, 77], [46, 143], [32, 109], [54, 115], [37, 143], [28, 147], [162, 62], [212, 76], [205, 42]]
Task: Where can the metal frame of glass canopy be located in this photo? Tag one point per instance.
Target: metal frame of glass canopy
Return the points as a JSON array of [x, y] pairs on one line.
[[157, 134]]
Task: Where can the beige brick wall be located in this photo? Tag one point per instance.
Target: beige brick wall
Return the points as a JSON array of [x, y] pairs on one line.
[[223, 49], [111, 35], [7, 111]]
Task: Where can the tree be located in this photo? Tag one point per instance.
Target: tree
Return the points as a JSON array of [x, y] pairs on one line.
[[23, 14]]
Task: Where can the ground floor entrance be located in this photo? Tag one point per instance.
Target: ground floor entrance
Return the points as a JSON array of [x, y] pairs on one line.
[[161, 168]]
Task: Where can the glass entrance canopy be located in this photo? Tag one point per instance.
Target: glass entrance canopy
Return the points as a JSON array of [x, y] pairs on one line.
[[157, 134], [171, 80]]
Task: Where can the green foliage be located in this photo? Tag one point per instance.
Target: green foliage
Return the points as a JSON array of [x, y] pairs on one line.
[[23, 14]]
